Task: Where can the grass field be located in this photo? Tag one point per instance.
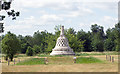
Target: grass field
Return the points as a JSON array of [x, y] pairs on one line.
[[92, 62], [88, 60], [59, 60], [32, 61]]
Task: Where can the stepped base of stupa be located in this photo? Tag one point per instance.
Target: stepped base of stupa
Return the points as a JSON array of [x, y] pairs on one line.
[[62, 53]]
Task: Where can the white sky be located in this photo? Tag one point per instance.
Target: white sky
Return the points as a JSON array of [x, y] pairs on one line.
[[45, 15]]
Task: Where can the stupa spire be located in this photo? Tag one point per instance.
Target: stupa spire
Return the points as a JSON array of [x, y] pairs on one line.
[[62, 31]]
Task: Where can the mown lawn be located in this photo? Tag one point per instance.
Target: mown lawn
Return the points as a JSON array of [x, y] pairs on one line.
[[60, 60], [87, 60], [32, 61]]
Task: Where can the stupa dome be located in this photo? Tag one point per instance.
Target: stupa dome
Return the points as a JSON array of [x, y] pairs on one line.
[[62, 45]]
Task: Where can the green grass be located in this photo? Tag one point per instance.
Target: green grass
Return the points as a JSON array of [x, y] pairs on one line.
[[20, 55], [60, 60], [88, 60], [94, 53], [48, 55], [82, 54], [32, 61], [61, 56], [43, 55]]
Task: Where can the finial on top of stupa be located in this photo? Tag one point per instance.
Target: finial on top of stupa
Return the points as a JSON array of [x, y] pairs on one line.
[[62, 31]]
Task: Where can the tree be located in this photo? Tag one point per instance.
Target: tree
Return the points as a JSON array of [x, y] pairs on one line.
[[29, 51], [36, 49], [76, 45], [57, 30], [109, 43], [86, 37], [24, 47], [10, 45], [6, 5], [39, 38], [117, 36], [51, 41], [71, 31], [97, 38], [29, 40]]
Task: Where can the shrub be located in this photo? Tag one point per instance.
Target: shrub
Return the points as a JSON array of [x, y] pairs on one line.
[[29, 51], [36, 49]]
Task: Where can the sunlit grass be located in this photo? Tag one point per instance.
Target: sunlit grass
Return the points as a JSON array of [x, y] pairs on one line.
[[32, 61], [88, 60]]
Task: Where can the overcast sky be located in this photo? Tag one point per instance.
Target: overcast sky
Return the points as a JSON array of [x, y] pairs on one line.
[[45, 15]]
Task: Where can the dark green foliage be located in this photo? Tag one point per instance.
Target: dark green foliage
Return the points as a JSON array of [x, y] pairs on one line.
[[39, 38], [85, 37], [36, 49], [29, 51], [98, 37], [76, 45], [117, 36], [51, 41], [109, 43], [96, 40], [10, 45], [24, 47]]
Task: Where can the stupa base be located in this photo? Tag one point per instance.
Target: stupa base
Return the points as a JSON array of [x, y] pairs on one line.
[[62, 53]]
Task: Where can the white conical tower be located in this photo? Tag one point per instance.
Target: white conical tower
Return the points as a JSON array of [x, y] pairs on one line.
[[62, 45]]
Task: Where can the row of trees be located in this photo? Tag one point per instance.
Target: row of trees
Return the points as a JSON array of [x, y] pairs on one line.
[[44, 42]]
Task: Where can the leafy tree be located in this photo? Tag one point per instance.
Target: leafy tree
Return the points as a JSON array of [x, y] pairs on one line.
[[109, 44], [22, 39], [117, 36], [57, 30], [51, 41], [29, 40], [36, 49], [71, 31], [39, 38], [24, 47], [98, 38], [85, 37], [76, 45], [29, 51], [10, 45]]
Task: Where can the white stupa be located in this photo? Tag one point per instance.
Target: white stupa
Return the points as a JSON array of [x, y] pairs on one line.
[[62, 45]]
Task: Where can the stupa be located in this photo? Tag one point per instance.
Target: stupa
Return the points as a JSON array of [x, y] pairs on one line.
[[62, 45]]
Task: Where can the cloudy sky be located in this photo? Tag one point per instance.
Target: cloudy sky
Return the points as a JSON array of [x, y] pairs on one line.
[[45, 15]]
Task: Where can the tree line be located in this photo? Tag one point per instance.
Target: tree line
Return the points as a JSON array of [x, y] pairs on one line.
[[44, 42]]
